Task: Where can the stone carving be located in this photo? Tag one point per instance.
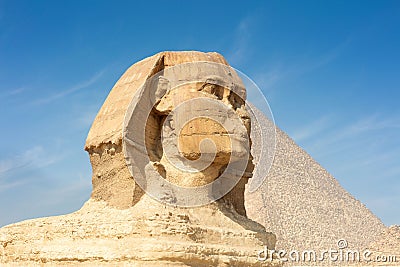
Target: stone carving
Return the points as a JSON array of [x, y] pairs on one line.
[[147, 152]]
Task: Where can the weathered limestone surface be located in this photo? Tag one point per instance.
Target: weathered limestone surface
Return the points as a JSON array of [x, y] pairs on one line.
[[388, 245], [304, 205], [121, 224], [148, 233]]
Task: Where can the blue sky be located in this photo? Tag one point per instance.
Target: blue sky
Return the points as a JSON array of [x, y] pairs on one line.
[[329, 69]]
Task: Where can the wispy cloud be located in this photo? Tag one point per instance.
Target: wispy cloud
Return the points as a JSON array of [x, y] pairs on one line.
[[71, 90], [33, 158], [12, 92], [312, 129], [268, 76], [324, 59], [7, 185], [358, 129], [20, 161], [240, 45], [376, 122]]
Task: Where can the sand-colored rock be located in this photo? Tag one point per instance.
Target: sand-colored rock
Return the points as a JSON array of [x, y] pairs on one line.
[[387, 246], [121, 224]]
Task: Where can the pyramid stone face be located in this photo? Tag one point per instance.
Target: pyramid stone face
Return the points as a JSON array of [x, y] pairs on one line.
[[388, 243], [304, 205], [123, 224]]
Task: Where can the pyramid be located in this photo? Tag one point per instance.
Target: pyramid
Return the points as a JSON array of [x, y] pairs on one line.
[[302, 203]]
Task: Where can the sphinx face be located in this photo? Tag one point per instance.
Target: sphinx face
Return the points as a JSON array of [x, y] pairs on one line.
[[205, 122], [204, 128]]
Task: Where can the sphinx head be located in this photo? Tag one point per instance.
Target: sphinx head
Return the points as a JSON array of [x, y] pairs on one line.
[[195, 133], [176, 122]]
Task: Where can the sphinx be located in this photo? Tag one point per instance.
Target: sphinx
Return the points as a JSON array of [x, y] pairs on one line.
[[171, 156]]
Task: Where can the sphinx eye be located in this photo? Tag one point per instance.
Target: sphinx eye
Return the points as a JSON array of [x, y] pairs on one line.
[[213, 89], [218, 91], [235, 100]]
